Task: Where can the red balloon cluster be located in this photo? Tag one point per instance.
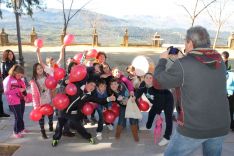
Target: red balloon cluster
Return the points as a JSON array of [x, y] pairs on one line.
[[38, 43], [68, 39], [60, 101], [115, 108], [109, 116], [59, 73], [78, 58], [143, 105], [91, 54], [35, 115], [50, 82], [87, 109], [71, 89], [77, 73], [47, 109]]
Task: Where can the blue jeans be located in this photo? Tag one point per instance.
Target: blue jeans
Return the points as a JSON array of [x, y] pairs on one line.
[[184, 146], [18, 111], [100, 120]]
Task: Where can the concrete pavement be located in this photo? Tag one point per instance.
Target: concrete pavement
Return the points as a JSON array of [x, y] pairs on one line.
[[33, 145]]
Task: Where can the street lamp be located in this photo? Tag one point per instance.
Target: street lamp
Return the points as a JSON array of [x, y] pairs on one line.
[[16, 6]]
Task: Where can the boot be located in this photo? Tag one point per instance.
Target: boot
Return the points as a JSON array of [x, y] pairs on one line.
[[135, 132], [51, 128], [118, 131], [43, 134]]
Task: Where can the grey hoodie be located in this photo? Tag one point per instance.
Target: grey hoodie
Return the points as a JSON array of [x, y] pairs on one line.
[[204, 103]]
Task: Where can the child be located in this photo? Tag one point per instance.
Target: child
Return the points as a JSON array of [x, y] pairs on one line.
[[101, 93], [15, 91], [106, 73], [136, 80], [74, 114], [121, 94], [225, 56], [50, 62], [95, 74], [101, 57], [161, 100], [230, 94], [118, 74], [39, 77]]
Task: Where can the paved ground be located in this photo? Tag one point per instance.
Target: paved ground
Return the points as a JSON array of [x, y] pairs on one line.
[[33, 145]]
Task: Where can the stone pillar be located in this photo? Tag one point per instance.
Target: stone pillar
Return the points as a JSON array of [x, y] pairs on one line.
[[62, 37], [125, 38], [95, 38], [231, 41], [156, 40], [4, 38], [33, 36]]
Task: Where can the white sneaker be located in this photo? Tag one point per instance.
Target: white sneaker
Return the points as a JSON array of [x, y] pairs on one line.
[[163, 142], [143, 128], [99, 135], [110, 127]]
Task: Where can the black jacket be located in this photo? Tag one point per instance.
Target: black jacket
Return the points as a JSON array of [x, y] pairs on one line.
[[153, 95], [5, 67], [78, 101]]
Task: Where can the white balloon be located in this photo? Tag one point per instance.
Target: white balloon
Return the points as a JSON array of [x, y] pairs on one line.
[[142, 65]]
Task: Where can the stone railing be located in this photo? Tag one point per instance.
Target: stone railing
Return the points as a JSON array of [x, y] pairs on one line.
[[93, 39]]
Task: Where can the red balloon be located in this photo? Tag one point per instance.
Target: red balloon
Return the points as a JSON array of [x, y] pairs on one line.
[[59, 73], [94, 105], [91, 54], [38, 43], [87, 109], [50, 82], [109, 116], [78, 73], [78, 58], [61, 101], [68, 39], [115, 108], [47, 109], [35, 115], [143, 105], [71, 89]]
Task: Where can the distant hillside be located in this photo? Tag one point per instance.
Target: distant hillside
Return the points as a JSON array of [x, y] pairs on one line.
[[49, 24]]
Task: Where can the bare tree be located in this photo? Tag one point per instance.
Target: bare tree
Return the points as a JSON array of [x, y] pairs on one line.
[[193, 14], [219, 15], [67, 16]]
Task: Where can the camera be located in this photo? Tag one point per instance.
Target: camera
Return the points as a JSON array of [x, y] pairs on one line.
[[173, 50]]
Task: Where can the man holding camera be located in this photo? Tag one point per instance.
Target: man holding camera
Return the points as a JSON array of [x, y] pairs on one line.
[[203, 113]]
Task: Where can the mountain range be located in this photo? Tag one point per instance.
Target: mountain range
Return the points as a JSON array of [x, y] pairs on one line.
[[49, 24]]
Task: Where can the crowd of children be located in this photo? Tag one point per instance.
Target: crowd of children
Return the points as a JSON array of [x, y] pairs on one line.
[[102, 85]]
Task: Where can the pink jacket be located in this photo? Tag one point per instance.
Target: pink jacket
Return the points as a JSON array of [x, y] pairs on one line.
[[12, 90]]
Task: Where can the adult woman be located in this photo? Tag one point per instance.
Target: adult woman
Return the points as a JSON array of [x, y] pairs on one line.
[[8, 60]]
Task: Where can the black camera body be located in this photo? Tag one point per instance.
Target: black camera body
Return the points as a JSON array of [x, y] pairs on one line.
[[173, 50]]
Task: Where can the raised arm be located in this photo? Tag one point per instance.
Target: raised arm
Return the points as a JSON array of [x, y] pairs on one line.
[[39, 58], [61, 56]]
